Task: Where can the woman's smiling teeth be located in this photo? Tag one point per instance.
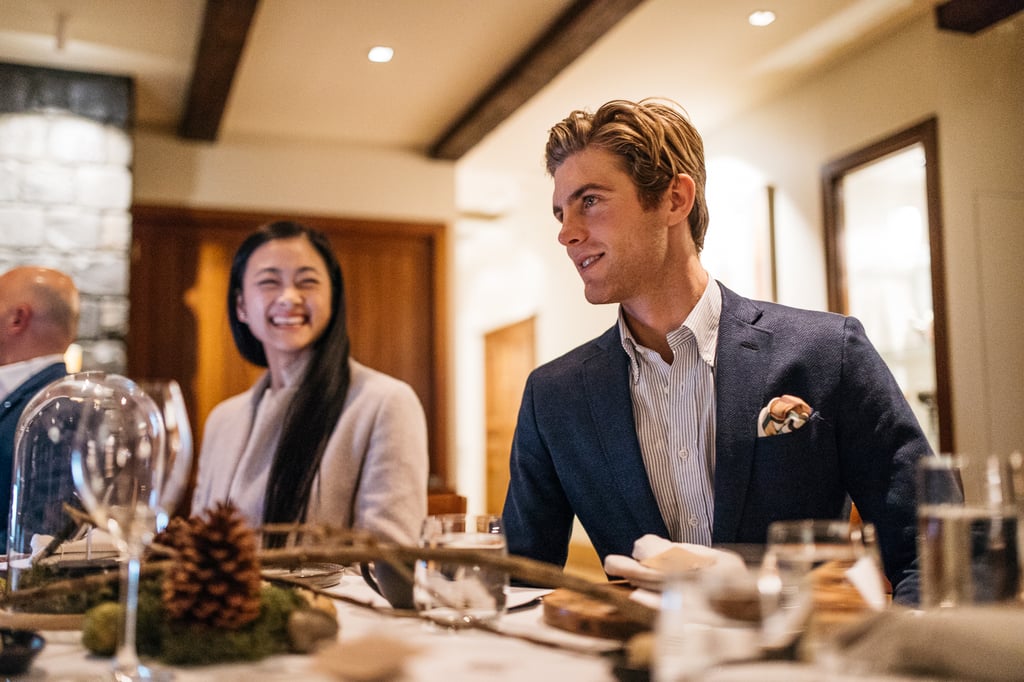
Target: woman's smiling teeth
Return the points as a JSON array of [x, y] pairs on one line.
[[288, 320]]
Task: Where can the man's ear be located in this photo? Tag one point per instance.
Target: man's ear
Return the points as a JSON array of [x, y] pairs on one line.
[[682, 193], [21, 316]]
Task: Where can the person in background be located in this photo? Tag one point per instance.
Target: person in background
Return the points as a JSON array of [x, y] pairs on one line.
[[700, 416], [39, 310], [320, 438]]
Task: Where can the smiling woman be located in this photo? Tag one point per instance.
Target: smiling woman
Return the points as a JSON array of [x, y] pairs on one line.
[[319, 438]]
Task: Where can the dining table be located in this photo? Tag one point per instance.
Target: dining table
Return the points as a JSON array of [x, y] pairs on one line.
[[522, 647]]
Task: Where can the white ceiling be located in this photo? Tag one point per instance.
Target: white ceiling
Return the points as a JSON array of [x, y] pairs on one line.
[[304, 72]]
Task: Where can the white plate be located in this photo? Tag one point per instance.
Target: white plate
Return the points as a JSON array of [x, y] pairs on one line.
[[315, 575]]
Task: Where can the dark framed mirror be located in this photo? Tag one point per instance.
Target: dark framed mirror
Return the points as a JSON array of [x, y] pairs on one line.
[[885, 266]]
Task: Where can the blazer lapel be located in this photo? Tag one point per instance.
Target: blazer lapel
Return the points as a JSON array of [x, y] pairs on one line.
[[744, 352], [606, 387]]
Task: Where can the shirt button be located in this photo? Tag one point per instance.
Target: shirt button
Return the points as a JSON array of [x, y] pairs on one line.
[[666, 389], [693, 522], [683, 454]]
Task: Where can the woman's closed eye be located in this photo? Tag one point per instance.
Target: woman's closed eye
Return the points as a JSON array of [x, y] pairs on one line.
[[308, 282]]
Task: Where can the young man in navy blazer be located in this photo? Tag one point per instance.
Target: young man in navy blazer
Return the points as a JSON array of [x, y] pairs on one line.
[[38, 321], [700, 416]]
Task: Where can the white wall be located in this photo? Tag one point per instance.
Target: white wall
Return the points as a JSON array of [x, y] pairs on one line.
[[971, 84]]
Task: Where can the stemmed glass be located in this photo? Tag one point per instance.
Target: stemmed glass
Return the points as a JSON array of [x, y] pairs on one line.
[[178, 442], [129, 461]]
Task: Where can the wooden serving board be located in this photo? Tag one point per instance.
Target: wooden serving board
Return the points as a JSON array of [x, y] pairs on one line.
[[574, 612]]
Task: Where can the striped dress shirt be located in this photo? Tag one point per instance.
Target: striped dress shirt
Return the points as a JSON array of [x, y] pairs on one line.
[[674, 410]]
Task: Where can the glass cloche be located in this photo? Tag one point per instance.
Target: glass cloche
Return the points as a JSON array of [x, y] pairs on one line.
[[47, 540]]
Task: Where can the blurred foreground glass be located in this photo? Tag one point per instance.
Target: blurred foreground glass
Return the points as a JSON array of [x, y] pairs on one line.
[[130, 476], [707, 617], [968, 522], [454, 592], [170, 401], [816, 576], [47, 541]]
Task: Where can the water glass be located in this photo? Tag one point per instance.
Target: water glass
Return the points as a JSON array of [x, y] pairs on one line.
[[707, 616], [968, 523], [816, 576], [453, 592]]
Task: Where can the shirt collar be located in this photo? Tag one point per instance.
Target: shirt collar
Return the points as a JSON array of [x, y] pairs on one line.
[[702, 323], [15, 374]]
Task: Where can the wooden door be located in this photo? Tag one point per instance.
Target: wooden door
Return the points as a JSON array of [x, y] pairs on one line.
[[178, 327], [509, 356]]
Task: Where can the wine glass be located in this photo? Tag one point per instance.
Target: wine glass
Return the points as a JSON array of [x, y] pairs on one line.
[[128, 480], [167, 395]]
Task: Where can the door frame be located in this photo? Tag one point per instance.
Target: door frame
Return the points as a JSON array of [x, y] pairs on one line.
[[832, 173]]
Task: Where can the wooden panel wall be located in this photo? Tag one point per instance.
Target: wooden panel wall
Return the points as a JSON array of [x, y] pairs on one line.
[[178, 328]]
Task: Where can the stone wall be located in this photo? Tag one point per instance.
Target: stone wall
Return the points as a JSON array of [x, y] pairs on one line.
[[65, 194]]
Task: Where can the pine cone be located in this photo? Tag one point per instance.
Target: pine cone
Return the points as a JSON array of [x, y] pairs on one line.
[[216, 579]]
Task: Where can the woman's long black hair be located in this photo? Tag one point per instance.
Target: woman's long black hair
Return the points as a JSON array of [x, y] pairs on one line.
[[314, 411]]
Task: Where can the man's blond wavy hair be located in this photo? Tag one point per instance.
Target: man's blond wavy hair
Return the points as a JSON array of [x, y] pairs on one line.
[[655, 141]]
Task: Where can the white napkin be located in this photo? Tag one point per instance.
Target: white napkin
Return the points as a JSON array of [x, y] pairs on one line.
[[977, 643], [650, 546], [97, 544]]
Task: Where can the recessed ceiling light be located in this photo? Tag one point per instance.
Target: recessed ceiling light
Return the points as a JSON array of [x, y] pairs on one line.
[[380, 54], [761, 17]]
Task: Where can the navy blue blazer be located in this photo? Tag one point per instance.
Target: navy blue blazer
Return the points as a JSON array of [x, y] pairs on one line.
[[575, 450], [11, 408]]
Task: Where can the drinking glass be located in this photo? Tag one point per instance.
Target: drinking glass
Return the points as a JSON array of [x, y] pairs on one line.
[[817, 575], [129, 479], [455, 593], [968, 540], [707, 616], [167, 395]]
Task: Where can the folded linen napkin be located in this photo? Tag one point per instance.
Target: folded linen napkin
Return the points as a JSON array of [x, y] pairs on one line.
[[975, 643], [653, 557], [781, 415], [97, 544]]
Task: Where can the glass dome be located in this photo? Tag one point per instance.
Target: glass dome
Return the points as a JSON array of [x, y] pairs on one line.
[[46, 541]]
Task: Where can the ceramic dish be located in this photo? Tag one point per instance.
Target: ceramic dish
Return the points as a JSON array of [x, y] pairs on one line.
[[20, 647]]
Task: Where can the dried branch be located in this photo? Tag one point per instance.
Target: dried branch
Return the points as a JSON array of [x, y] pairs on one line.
[[347, 547]]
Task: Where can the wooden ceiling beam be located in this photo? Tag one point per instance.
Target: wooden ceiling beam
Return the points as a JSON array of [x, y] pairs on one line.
[[225, 28], [575, 30], [971, 16]]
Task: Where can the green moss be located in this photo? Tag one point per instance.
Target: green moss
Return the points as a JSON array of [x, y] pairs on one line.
[[99, 630], [74, 602], [192, 644], [151, 616], [178, 643]]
